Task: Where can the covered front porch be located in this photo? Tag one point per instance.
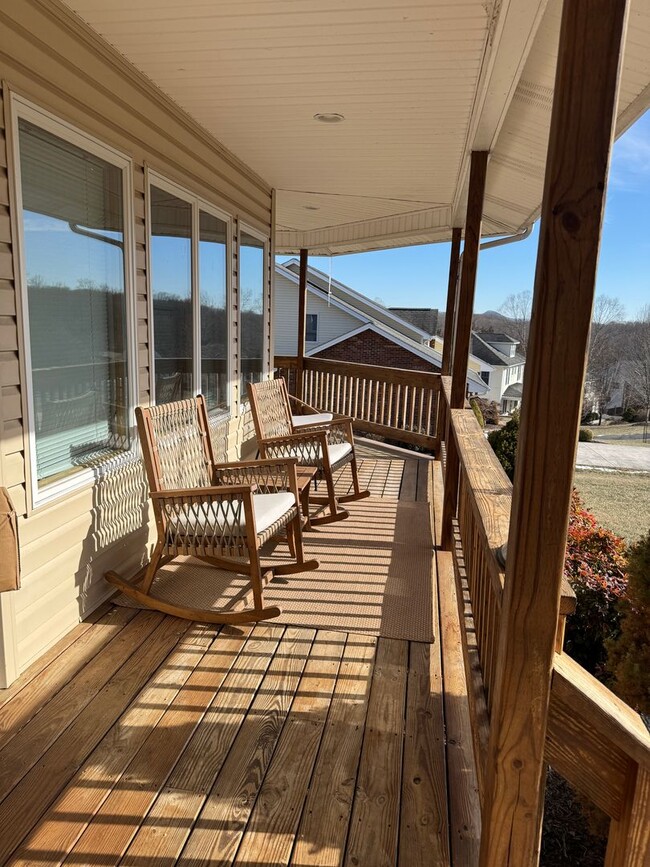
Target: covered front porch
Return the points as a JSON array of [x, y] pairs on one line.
[[141, 739]]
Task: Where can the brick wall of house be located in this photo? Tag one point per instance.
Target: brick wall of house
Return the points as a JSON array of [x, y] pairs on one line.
[[368, 347]]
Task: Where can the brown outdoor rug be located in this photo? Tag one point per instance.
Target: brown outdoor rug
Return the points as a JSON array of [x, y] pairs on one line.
[[375, 576]]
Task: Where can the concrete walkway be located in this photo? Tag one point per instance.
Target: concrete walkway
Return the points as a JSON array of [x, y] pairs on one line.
[[612, 457]]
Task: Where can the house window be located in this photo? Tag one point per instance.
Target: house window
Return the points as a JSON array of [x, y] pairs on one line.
[[189, 289], [252, 268], [75, 259], [485, 376], [311, 331]]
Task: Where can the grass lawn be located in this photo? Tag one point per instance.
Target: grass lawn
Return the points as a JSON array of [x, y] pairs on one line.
[[620, 501], [619, 434]]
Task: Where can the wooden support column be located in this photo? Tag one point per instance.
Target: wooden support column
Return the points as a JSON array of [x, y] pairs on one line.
[[302, 322], [580, 141], [463, 329], [452, 287], [477, 175]]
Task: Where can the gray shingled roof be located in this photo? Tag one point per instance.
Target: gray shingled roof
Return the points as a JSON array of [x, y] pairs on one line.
[[425, 318], [497, 337], [482, 349]]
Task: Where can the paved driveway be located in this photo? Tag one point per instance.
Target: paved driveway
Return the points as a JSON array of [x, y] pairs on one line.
[[613, 457]]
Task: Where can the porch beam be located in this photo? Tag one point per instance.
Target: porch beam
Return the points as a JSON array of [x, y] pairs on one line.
[[580, 141], [452, 287], [461, 331], [302, 321], [478, 174]]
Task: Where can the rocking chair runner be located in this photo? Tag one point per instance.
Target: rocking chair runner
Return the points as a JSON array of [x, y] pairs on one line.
[[214, 512], [321, 440]]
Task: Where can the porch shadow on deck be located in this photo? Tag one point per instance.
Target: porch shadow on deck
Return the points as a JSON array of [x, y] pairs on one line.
[[145, 740]]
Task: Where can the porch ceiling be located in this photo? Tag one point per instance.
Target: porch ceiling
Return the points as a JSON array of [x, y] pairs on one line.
[[420, 85]]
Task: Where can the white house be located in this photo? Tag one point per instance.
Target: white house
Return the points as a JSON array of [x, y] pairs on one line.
[[504, 368], [349, 326]]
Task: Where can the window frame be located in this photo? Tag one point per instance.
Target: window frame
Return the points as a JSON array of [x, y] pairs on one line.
[[22, 108], [243, 227], [198, 203]]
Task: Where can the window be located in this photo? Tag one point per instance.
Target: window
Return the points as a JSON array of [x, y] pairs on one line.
[[311, 332], [190, 302], [252, 266], [73, 193], [485, 376]]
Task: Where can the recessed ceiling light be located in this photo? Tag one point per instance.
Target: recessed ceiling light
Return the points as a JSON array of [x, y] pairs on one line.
[[329, 117], [312, 208]]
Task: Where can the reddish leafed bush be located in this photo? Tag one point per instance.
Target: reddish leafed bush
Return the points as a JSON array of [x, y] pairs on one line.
[[595, 564]]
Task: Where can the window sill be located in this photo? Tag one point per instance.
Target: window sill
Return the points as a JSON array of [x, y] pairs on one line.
[[84, 477]]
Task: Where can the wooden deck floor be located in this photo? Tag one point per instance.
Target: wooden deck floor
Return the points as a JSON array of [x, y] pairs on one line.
[[146, 741]]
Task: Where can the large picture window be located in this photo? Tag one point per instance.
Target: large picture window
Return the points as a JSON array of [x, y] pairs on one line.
[[73, 231], [252, 266], [189, 286]]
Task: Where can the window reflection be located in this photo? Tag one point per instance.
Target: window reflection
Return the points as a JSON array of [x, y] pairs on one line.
[[73, 222], [214, 324], [171, 286], [251, 281]]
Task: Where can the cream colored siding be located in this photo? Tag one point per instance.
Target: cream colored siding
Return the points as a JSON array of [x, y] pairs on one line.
[[332, 321], [67, 545]]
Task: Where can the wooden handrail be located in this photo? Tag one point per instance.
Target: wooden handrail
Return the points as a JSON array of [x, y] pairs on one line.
[[594, 740]]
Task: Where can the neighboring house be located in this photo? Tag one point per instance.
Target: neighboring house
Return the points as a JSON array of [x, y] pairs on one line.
[[505, 379], [344, 325]]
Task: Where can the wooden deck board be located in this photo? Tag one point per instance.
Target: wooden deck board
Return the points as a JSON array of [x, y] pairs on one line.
[[18, 709], [22, 751], [324, 824], [374, 829], [66, 819], [272, 827], [144, 740], [29, 799], [225, 814]]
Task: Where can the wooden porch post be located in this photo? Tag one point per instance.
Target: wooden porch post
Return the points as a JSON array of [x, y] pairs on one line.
[[302, 322], [448, 338], [463, 329], [572, 209]]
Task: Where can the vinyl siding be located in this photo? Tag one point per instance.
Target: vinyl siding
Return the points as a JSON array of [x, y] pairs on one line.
[[332, 322], [66, 546]]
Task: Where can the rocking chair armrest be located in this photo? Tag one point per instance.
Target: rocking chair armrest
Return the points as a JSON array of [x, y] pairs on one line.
[[262, 462], [207, 493], [318, 436], [269, 475]]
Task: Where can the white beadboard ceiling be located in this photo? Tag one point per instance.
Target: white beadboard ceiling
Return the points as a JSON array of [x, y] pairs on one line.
[[420, 84]]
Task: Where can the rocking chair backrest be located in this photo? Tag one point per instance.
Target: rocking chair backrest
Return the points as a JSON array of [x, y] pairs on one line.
[[270, 407], [176, 444]]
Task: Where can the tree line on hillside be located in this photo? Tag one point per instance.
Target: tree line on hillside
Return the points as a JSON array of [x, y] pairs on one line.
[[618, 365]]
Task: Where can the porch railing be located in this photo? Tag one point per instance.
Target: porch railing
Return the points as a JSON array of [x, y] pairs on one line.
[[594, 740], [397, 404]]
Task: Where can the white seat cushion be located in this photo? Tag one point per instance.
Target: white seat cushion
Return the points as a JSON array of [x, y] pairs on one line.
[[336, 451], [299, 421], [268, 509]]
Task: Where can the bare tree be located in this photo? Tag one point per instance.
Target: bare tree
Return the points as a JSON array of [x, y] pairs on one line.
[[516, 308], [603, 355], [638, 366]]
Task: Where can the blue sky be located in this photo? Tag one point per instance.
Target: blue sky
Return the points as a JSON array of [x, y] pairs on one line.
[[417, 276]]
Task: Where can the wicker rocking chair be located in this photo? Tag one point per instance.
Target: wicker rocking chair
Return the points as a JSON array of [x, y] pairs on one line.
[[213, 512], [321, 440]]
